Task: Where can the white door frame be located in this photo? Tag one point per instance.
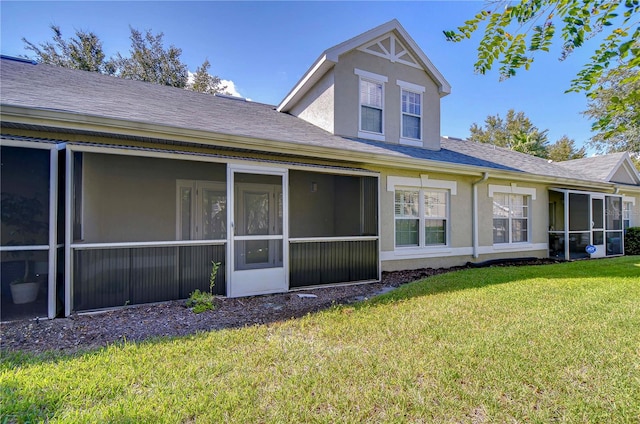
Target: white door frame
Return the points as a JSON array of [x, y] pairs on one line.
[[263, 280], [601, 250]]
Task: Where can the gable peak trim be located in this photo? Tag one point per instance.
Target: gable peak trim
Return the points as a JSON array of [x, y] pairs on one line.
[[388, 46]]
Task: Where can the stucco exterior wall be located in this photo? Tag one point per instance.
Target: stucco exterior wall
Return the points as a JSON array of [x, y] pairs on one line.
[[622, 176], [317, 106], [127, 199], [459, 233], [459, 248], [347, 107]]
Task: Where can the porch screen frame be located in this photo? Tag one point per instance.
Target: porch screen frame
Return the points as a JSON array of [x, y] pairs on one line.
[[69, 244], [52, 246], [567, 232], [354, 173]]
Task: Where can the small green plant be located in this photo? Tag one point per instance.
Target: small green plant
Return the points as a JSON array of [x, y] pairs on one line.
[[203, 301], [200, 301]]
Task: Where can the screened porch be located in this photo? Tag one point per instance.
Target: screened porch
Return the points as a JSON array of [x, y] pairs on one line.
[[147, 228], [584, 224]]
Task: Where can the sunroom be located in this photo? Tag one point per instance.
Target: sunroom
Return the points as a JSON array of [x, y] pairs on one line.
[[145, 225], [585, 224]]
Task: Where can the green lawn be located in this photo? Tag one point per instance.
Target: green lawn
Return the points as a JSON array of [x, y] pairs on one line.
[[553, 343]]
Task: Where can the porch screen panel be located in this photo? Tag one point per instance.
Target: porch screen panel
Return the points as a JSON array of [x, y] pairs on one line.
[[579, 212], [613, 218], [195, 269], [28, 299], [369, 206], [123, 199], [324, 205], [100, 278], [113, 277], [153, 275], [24, 174], [316, 263]]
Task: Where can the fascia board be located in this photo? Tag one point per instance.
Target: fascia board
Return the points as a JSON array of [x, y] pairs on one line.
[[72, 121], [313, 75]]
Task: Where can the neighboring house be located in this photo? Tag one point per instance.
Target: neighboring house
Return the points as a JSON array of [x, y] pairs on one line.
[[121, 192]]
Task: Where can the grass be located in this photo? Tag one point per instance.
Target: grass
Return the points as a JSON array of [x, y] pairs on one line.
[[553, 343]]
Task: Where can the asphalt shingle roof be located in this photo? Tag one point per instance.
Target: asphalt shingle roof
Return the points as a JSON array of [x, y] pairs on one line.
[[596, 167], [87, 93]]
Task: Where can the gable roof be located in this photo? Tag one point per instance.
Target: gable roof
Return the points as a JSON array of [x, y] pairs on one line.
[[605, 167], [41, 97], [330, 57]]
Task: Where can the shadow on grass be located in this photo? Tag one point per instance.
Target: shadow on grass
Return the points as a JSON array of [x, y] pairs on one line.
[[474, 278]]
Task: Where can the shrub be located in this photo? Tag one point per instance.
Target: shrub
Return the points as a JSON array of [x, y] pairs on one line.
[[632, 241]]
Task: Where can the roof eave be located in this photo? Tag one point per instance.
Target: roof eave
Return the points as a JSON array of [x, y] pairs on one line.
[[109, 126]]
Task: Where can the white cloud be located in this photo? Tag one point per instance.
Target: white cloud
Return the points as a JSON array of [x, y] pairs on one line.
[[231, 86]]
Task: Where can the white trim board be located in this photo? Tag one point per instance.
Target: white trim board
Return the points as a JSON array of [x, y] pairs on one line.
[[512, 189], [422, 182], [446, 252]]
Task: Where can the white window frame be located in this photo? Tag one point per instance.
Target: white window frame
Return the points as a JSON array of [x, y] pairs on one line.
[[196, 214], [422, 218], [530, 195], [421, 185], [526, 201], [374, 79], [415, 89], [627, 211]]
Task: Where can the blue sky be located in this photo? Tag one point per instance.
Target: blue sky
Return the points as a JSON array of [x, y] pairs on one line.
[[265, 47]]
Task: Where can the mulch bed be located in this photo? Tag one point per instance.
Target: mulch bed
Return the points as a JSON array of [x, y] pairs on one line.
[[81, 332]]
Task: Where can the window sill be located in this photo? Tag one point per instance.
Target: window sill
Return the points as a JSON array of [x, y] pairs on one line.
[[512, 246], [409, 253], [411, 142], [371, 136], [417, 251]]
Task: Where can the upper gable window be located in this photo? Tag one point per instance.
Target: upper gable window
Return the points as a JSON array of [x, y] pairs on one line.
[[371, 105], [411, 114], [411, 110]]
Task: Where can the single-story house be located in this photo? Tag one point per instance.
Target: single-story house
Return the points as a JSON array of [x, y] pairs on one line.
[[118, 192]]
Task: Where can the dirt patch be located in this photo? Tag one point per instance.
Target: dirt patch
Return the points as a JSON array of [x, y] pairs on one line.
[[137, 323]]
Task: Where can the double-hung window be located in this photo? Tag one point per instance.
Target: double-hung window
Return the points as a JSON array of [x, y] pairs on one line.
[[411, 114], [371, 104], [421, 217], [411, 96], [510, 218]]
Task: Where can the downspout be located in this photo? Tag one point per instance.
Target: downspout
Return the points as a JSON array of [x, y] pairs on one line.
[[474, 213]]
